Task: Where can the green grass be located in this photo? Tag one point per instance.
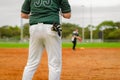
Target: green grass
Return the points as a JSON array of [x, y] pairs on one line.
[[94, 45], [13, 45], [64, 45]]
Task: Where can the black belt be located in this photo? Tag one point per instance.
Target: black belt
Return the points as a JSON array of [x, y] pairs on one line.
[[42, 22]]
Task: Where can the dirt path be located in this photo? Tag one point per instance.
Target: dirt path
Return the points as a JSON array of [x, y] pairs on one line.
[[82, 64]]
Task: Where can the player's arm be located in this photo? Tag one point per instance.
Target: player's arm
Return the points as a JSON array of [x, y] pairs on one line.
[[25, 11], [79, 38], [66, 9]]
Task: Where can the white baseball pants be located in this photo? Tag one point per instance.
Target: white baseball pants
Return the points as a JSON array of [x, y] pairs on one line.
[[42, 37]]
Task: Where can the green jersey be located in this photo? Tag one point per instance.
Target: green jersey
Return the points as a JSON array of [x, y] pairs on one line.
[[45, 11]]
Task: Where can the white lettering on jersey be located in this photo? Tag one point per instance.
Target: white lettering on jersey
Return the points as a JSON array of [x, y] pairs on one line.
[[40, 3]]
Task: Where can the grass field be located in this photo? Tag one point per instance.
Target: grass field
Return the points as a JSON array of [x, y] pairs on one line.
[[13, 45], [64, 45], [94, 45]]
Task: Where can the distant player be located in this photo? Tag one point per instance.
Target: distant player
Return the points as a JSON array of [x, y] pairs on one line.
[[44, 33], [75, 36]]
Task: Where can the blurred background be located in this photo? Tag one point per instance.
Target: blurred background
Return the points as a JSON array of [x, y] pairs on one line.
[[97, 21]]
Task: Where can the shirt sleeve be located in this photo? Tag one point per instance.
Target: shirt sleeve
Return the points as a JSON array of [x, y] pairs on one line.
[[65, 6], [26, 7]]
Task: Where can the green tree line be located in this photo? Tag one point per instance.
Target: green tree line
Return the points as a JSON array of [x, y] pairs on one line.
[[105, 30]]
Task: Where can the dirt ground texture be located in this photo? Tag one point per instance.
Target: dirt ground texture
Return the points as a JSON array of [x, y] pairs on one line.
[[82, 64]]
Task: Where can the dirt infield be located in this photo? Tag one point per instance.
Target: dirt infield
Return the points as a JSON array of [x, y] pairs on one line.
[[82, 64]]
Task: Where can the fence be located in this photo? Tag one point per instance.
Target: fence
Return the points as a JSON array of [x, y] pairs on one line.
[[63, 40], [94, 40]]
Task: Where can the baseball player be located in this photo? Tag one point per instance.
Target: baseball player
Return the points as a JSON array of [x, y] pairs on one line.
[[75, 36], [44, 31]]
